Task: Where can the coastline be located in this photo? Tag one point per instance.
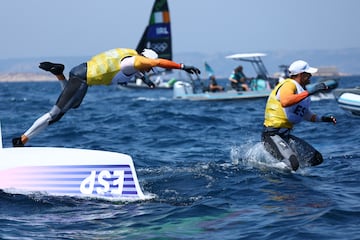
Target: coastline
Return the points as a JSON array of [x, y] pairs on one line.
[[27, 77]]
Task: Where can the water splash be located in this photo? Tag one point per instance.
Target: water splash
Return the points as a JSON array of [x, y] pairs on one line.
[[255, 156]]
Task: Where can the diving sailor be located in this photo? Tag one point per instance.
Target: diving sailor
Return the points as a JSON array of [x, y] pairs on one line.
[[115, 66], [287, 105]]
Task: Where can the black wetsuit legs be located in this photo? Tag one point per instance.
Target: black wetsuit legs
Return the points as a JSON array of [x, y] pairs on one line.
[[70, 97]]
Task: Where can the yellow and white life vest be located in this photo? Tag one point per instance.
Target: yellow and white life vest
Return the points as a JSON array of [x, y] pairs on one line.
[[278, 117], [103, 67]]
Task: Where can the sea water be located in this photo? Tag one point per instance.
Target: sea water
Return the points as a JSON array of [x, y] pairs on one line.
[[201, 162]]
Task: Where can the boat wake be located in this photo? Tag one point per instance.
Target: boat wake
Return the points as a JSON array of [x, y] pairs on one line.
[[322, 96], [152, 99]]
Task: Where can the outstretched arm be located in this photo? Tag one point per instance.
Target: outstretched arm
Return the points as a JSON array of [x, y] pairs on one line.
[[164, 63], [145, 64]]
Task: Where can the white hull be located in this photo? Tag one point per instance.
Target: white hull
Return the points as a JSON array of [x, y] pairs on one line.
[[69, 172], [348, 99], [184, 91]]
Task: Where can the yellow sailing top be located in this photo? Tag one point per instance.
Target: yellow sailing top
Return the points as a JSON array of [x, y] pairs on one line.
[[277, 116], [103, 67]]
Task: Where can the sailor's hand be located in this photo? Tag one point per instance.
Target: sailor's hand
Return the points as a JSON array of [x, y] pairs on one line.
[[328, 119], [190, 69], [317, 88]]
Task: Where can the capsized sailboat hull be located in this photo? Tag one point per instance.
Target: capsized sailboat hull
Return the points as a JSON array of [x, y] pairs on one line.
[[69, 172]]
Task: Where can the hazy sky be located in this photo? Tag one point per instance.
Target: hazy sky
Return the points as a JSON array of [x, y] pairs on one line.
[[38, 28]]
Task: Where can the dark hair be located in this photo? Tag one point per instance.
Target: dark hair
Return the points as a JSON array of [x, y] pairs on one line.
[[239, 68]]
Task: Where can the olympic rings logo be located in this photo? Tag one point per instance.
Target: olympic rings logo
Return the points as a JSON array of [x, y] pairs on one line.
[[159, 47]]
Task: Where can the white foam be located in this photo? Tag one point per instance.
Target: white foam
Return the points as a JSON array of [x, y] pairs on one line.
[[255, 156]]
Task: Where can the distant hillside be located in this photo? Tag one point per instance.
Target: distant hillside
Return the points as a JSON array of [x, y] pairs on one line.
[[345, 60], [31, 65], [26, 77]]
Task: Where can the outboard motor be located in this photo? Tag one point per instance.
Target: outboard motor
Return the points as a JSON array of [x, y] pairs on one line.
[[182, 89]]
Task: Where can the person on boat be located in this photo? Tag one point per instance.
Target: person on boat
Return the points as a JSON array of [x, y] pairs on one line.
[[113, 66], [238, 79], [287, 105], [213, 86]]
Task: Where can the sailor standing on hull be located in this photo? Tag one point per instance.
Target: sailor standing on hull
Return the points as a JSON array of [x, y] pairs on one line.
[[118, 65], [288, 104]]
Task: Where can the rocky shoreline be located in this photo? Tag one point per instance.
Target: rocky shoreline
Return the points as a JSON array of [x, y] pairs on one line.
[[27, 77]]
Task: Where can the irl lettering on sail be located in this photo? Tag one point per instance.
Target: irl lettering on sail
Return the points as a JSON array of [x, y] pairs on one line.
[[162, 31]]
